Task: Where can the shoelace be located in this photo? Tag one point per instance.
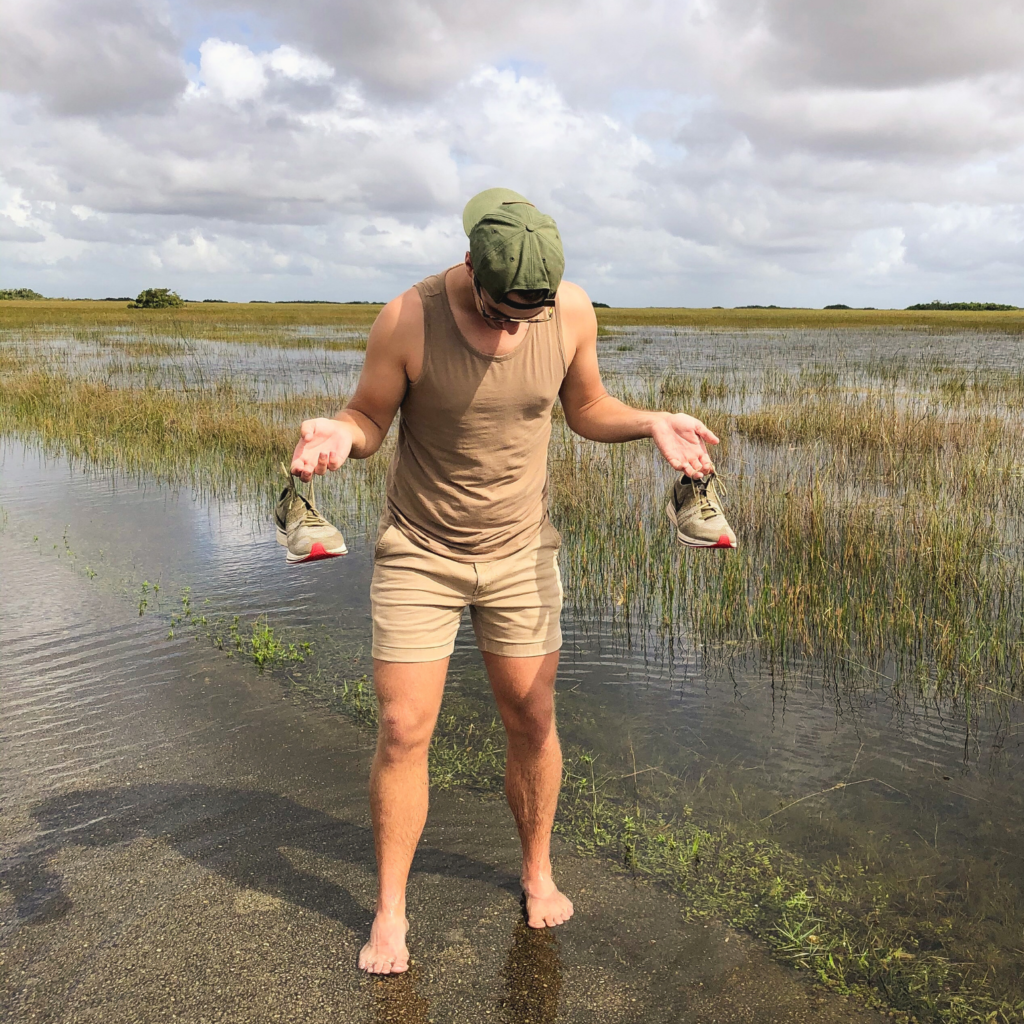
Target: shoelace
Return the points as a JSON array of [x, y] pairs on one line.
[[311, 516], [709, 506]]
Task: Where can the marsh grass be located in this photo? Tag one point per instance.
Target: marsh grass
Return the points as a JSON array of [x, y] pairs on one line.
[[230, 316], [878, 502], [814, 319], [879, 509], [240, 316], [875, 528]]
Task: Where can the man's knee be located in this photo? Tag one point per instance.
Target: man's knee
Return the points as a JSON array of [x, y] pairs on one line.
[[403, 732], [531, 720]]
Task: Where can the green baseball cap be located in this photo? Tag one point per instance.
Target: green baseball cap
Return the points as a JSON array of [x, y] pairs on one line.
[[514, 247]]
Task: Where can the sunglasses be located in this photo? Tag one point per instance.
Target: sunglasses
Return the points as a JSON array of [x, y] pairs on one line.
[[539, 318]]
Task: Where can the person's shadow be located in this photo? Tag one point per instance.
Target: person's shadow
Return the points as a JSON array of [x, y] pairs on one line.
[[240, 834]]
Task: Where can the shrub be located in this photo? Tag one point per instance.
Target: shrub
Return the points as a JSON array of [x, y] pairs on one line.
[[19, 293], [972, 306], [156, 298]]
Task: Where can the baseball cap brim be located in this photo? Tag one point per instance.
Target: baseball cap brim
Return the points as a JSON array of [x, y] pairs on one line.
[[484, 202]]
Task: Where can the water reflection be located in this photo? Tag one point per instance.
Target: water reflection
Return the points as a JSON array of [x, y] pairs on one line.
[[532, 976], [397, 1001]]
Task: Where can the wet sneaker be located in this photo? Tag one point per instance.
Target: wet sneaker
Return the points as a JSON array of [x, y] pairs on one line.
[[301, 528], [695, 510]]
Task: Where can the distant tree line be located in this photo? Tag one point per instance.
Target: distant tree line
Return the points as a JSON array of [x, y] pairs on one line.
[[975, 306], [19, 293]]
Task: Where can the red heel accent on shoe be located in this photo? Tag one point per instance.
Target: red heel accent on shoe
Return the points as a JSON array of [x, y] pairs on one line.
[[317, 551], [724, 542]]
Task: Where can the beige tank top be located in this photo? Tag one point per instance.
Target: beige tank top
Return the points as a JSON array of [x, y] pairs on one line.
[[469, 476]]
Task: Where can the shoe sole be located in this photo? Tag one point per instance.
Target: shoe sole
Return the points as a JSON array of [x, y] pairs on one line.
[[316, 553], [722, 542]]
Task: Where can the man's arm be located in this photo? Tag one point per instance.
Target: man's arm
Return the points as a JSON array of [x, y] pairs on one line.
[[594, 414], [358, 430]]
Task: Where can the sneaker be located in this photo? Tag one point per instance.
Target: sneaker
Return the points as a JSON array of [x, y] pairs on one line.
[[302, 529], [695, 510]]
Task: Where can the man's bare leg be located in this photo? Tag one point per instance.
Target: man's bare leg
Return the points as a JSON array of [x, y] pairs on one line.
[[525, 691], [408, 699]]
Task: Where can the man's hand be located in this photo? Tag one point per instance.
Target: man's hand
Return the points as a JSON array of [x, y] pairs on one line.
[[324, 444], [680, 439]]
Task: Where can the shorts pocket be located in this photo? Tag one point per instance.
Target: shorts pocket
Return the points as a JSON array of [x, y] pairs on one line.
[[385, 540], [550, 537]]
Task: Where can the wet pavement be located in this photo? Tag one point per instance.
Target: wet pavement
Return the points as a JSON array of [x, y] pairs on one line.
[[179, 842]]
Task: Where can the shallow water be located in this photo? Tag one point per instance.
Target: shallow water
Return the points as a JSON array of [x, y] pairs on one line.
[[930, 781], [178, 842]]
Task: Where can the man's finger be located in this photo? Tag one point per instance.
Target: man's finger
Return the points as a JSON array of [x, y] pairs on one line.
[[706, 434]]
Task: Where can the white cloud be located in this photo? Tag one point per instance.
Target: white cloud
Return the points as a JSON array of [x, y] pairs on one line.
[[693, 151], [231, 72], [292, 63]]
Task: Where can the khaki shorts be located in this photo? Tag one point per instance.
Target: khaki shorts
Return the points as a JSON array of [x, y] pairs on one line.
[[418, 598]]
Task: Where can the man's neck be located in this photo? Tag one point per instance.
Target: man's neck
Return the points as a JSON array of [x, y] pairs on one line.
[[462, 298]]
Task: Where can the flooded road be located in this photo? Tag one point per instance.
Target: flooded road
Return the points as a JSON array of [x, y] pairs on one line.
[[180, 842]]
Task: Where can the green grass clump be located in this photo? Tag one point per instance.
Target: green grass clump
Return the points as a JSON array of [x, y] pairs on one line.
[[267, 649]]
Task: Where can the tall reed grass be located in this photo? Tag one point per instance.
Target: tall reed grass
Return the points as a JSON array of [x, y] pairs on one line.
[[879, 514]]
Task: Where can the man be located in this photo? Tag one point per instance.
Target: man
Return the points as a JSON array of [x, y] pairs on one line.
[[475, 357]]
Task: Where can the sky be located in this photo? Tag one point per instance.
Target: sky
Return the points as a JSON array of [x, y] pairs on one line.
[[693, 152]]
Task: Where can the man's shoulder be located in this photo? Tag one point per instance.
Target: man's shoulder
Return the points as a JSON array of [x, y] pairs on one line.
[[577, 313], [402, 314], [574, 301]]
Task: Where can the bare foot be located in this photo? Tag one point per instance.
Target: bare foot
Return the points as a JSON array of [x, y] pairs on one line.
[[545, 905], [386, 952]]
